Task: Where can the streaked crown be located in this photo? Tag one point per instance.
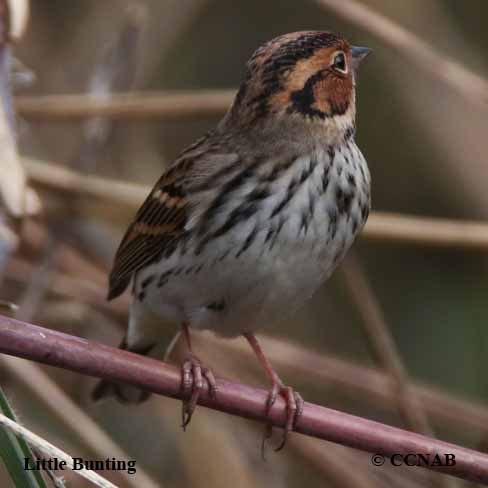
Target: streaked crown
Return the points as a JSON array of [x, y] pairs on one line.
[[310, 75]]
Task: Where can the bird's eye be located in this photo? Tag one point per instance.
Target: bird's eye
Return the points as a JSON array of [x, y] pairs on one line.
[[339, 62]]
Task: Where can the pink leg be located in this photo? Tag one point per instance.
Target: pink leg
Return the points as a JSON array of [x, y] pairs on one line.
[[294, 402], [192, 376]]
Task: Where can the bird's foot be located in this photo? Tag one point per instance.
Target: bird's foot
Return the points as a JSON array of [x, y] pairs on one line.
[[294, 408], [192, 383]]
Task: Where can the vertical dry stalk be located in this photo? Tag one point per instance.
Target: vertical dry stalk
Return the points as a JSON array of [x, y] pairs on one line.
[[384, 349], [382, 344], [333, 463]]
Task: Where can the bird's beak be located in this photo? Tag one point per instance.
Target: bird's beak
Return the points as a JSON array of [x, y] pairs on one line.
[[358, 54]]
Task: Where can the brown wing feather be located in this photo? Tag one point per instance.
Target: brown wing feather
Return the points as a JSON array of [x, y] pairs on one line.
[[156, 229], [159, 225]]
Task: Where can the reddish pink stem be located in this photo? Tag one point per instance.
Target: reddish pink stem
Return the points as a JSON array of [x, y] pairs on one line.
[[76, 354]]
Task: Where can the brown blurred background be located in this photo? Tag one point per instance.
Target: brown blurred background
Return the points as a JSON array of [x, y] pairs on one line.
[[426, 146]]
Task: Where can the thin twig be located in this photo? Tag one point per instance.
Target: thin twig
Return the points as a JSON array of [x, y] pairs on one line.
[[381, 226], [426, 231], [53, 451], [66, 180], [90, 358], [467, 83], [171, 104]]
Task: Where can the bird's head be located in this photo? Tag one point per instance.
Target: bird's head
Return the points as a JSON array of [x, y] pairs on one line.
[[302, 77]]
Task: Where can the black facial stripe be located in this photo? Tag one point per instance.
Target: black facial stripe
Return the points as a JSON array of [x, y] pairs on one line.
[[302, 100], [290, 53], [283, 60]]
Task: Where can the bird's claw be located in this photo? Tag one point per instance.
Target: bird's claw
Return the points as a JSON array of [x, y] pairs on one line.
[[294, 408], [193, 375]]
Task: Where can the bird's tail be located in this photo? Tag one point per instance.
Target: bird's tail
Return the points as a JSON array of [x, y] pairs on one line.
[[148, 335], [120, 391], [123, 393], [128, 394]]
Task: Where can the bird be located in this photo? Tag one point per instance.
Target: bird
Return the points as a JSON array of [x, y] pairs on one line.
[[250, 220]]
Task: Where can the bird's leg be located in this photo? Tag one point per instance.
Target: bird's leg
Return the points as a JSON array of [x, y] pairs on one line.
[[294, 402], [192, 375]]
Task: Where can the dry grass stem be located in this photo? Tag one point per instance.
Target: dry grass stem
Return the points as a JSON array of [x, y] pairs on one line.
[[124, 105], [38, 283], [61, 407], [52, 451], [383, 347], [426, 231], [63, 179], [381, 226]]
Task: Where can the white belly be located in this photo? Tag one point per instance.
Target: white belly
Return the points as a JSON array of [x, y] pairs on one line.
[[231, 287]]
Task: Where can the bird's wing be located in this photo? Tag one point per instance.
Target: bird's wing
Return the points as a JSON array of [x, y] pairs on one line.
[[160, 223], [157, 227]]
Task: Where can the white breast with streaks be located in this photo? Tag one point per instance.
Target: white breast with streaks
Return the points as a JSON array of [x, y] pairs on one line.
[[232, 290]]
